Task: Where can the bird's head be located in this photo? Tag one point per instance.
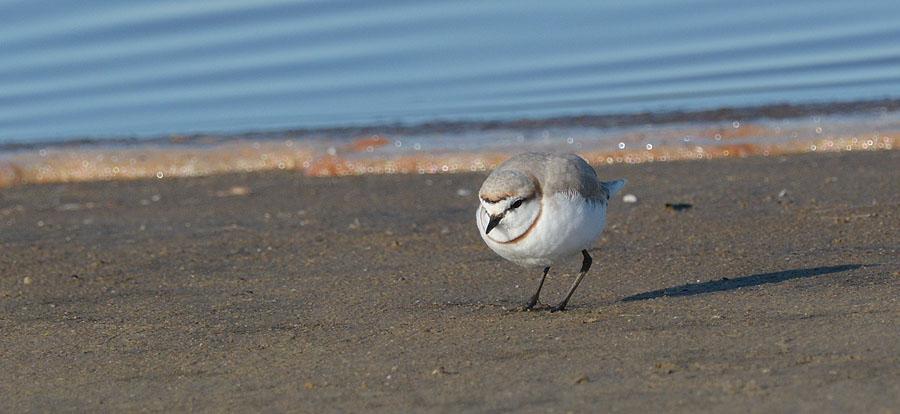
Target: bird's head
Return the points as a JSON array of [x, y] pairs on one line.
[[510, 204]]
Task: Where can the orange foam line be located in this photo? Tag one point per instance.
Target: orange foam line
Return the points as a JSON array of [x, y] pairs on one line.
[[93, 164]]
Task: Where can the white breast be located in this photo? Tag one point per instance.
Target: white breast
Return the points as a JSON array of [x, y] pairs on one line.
[[567, 224]]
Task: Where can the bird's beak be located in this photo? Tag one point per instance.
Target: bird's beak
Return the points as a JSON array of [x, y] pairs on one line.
[[495, 220]]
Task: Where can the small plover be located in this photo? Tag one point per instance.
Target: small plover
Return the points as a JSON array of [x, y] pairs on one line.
[[537, 209]]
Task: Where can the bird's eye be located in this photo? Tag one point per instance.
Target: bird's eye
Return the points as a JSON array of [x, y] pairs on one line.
[[516, 204]]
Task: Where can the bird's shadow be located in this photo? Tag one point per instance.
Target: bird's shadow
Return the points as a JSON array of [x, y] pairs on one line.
[[725, 283]]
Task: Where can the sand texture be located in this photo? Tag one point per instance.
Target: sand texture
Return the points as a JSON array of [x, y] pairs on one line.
[[777, 291]]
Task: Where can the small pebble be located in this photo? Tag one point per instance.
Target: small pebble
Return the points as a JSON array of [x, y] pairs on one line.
[[629, 198], [27, 280], [666, 367], [463, 192], [582, 379], [679, 206], [441, 371]]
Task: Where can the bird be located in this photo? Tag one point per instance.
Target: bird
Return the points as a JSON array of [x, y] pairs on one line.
[[538, 209]]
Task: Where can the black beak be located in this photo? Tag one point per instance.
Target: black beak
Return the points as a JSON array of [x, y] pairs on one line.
[[492, 223]]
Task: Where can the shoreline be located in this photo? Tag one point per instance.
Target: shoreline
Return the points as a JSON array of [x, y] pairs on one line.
[[369, 152], [777, 111]]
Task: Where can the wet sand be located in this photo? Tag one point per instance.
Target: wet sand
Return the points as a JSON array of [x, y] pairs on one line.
[[464, 146], [273, 291]]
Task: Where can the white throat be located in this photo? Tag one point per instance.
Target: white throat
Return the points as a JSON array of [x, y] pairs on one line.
[[515, 223]]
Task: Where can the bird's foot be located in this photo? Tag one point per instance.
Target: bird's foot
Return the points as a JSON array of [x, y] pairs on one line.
[[532, 305], [558, 308]]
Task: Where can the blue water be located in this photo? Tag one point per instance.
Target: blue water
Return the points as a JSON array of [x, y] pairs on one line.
[[110, 69]]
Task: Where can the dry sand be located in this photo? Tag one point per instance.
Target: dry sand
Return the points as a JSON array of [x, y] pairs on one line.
[[778, 291]]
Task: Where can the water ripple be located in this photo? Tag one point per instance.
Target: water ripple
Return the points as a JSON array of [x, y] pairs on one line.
[[97, 68]]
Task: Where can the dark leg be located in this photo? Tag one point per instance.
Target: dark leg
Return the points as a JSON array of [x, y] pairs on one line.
[[534, 298], [585, 265]]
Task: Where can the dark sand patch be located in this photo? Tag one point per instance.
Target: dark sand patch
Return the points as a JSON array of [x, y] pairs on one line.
[[375, 293]]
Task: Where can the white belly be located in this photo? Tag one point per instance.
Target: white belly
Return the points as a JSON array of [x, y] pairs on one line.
[[567, 225]]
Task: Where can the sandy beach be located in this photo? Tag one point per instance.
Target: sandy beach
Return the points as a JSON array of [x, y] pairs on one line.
[[777, 291]]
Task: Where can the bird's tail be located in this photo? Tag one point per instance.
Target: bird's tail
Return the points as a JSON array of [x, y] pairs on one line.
[[613, 187]]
